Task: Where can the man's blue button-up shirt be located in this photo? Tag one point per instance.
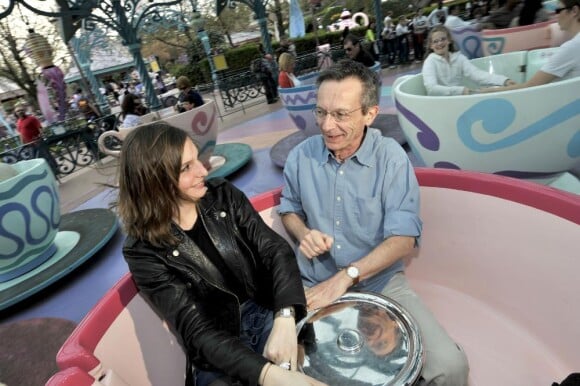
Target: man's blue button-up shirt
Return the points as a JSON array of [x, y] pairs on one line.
[[369, 197]]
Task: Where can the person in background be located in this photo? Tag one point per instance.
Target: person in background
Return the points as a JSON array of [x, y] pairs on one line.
[[351, 202], [264, 69], [198, 251], [453, 20], [76, 97], [130, 111], [389, 36], [189, 103], [503, 16], [186, 91], [420, 28], [445, 69], [27, 125], [532, 12], [402, 32], [388, 18], [565, 62], [355, 51], [88, 110], [371, 41], [286, 77], [159, 84], [438, 15]]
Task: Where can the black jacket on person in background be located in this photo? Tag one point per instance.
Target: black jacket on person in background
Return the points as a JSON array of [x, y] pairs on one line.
[[187, 290], [365, 57]]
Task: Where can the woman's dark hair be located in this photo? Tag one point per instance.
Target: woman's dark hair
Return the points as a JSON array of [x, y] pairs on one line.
[[129, 105], [149, 169], [529, 10]]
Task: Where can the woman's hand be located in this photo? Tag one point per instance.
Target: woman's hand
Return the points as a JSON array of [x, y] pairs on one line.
[[282, 344], [277, 376]]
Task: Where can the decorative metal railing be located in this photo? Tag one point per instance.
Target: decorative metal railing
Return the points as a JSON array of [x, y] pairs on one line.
[[240, 89], [66, 147]]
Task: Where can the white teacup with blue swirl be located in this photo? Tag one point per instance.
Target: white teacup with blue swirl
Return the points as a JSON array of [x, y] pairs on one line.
[[29, 218]]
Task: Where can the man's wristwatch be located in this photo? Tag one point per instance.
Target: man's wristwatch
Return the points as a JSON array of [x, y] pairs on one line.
[[286, 312], [353, 273]]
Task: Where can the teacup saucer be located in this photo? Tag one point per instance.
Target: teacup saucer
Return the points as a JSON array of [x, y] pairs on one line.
[[81, 234], [227, 158]]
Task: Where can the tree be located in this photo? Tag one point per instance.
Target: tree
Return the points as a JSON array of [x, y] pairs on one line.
[[15, 65]]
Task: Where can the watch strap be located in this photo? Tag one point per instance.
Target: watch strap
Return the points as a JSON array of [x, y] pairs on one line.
[[286, 312]]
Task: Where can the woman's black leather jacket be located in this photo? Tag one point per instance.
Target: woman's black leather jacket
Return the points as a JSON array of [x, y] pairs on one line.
[[188, 291]]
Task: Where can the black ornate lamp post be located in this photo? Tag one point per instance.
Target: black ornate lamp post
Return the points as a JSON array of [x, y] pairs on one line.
[[259, 8]]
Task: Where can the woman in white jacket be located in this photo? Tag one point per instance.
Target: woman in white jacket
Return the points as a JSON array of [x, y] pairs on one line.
[[444, 68]]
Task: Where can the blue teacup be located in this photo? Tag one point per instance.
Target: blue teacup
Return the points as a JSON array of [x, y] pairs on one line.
[[29, 218]]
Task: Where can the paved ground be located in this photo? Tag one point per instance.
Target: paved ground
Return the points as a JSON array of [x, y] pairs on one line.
[[86, 183]]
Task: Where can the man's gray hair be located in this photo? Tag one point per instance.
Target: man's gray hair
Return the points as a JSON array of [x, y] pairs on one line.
[[347, 68]]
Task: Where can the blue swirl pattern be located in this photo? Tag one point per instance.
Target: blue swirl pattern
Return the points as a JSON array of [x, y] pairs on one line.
[[494, 45], [497, 114], [38, 210]]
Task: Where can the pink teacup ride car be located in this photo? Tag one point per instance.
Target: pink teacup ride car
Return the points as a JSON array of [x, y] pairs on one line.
[[299, 102], [202, 124], [475, 43], [532, 133], [497, 265], [528, 37]]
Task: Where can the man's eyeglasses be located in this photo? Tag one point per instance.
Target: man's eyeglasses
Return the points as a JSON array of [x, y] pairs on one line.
[[558, 10], [338, 116]]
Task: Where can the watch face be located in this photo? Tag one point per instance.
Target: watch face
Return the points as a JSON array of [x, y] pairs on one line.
[[352, 272]]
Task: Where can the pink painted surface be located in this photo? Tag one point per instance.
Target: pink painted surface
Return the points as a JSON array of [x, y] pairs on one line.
[[540, 35], [73, 376], [497, 265]]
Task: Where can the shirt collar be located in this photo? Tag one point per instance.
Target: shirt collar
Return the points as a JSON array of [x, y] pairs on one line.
[[363, 155]]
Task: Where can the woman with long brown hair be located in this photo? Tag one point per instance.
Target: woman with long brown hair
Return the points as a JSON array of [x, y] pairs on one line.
[[225, 281]]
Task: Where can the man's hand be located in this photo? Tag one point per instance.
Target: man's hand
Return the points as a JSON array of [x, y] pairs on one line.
[[315, 243], [282, 344], [328, 291]]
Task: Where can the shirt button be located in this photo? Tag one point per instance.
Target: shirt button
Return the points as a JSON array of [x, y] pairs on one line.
[[341, 172], [337, 222], [338, 246], [175, 252], [337, 198], [222, 214]]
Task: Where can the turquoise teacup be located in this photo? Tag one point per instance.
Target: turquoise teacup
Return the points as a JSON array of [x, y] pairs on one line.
[[29, 218]]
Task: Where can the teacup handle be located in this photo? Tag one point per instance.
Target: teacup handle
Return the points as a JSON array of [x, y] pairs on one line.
[[102, 145]]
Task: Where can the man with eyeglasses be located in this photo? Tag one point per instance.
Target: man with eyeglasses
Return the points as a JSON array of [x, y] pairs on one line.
[[354, 50], [351, 200]]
